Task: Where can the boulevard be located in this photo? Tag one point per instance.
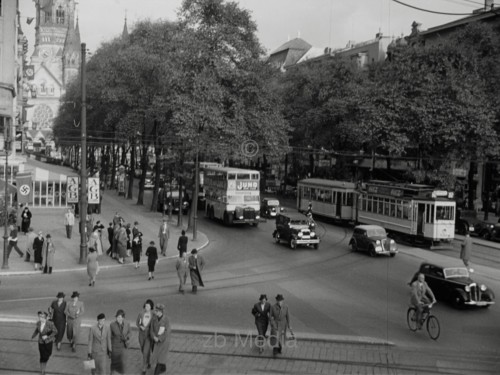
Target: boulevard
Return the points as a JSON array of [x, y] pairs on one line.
[[330, 291]]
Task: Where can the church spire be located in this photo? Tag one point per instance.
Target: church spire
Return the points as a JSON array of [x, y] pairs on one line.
[[125, 30]]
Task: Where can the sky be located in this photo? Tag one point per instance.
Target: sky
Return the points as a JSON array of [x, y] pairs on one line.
[[322, 23]]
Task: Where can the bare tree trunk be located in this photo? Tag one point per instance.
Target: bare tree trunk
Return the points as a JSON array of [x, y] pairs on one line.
[[131, 174]]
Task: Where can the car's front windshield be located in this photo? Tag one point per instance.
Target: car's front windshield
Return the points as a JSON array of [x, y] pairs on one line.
[[273, 203], [299, 222], [450, 273]]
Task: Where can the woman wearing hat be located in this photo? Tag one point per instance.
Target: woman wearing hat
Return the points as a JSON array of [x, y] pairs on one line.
[[120, 341], [280, 322], [38, 250], [56, 310], [160, 336], [46, 331], [74, 311], [261, 312], [152, 254], [143, 322], [99, 347], [48, 254], [92, 265]]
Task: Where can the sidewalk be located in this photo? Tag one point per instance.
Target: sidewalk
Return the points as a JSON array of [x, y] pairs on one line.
[[204, 351], [51, 220]]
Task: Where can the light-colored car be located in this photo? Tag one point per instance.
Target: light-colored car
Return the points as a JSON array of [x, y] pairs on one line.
[[372, 239], [149, 183]]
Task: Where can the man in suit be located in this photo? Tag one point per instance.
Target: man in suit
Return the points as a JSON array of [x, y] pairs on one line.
[[99, 348], [421, 295], [164, 235], [280, 322], [261, 311], [69, 222], [196, 265]]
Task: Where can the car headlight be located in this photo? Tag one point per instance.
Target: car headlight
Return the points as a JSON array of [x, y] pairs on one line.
[[257, 216], [241, 217], [378, 243], [392, 242], [491, 225], [313, 234], [483, 288], [299, 234], [467, 288]]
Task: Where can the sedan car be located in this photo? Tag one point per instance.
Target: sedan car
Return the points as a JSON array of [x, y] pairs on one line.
[[372, 239], [149, 183], [270, 208], [454, 285], [295, 229], [488, 231]]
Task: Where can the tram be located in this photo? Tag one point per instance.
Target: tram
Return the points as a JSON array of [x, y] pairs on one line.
[[329, 198], [412, 211]]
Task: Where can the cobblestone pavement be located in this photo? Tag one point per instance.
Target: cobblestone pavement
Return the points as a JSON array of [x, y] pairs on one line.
[[196, 352]]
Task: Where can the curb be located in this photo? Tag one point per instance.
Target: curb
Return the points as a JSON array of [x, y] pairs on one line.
[[220, 331]]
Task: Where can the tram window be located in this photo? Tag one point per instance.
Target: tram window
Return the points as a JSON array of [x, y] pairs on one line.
[[349, 199], [406, 210], [328, 196], [368, 204], [306, 192], [445, 213], [380, 209], [393, 209], [322, 195]]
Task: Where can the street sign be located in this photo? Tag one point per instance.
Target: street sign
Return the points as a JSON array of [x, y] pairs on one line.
[[72, 184], [93, 190]]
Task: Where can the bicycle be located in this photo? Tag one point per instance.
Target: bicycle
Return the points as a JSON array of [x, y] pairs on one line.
[[431, 322]]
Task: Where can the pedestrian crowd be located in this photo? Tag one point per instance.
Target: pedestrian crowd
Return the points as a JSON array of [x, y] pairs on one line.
[[107, 344]]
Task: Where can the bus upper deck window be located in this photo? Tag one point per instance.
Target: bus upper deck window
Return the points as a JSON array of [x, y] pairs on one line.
[[231, 176]]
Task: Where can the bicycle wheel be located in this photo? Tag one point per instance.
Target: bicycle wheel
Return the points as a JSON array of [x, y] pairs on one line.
[[433, 328], [411, 319]]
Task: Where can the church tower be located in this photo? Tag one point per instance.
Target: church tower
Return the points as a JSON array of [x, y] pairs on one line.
[[55, 60]]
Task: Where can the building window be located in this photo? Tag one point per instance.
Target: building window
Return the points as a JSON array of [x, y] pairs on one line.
[[60, 15], [48, 16]]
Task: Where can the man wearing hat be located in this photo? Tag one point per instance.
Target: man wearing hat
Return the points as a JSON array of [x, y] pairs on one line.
[[196, 265], [261, 312], [56, 310], [99, 347], [160, 337], [74, 311], [280, 322]]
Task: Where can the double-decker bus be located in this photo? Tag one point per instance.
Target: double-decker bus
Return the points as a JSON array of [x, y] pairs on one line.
[[201, 180], [232, 195]]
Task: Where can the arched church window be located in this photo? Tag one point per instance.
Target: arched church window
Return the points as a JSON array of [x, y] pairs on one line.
[[60, 15]]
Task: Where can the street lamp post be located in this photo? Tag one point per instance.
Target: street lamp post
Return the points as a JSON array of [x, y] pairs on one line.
[[5, 263], [196, 190], [83, 166]]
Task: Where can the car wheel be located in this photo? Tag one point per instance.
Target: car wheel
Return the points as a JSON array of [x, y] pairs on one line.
[[486, 235], [372, 251], [277, 238], [255, 224], [293, 243], [393, 255], [316, 246], [354, 246], [457, 301]]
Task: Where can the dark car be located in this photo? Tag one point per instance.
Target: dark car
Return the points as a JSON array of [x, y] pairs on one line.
[[453, 284], [488, 231], [372, 239], [295, 229], [149, 182], [270, 207]]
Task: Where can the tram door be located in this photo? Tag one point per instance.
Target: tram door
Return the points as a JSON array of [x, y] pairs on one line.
[[420, 219]]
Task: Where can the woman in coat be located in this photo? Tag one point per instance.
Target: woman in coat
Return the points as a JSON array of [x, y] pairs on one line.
[[182, 267], [46, 331], [56, 310], [152, 254], [25, 220], [48, 254], [74, 311], [143, 322], [120, 341], [136, 246], [160, 336], [121, 243], [95, 240], [92, 266], [38, 251]]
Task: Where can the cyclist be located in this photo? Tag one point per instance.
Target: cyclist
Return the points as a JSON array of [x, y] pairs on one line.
[[421, 295]]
